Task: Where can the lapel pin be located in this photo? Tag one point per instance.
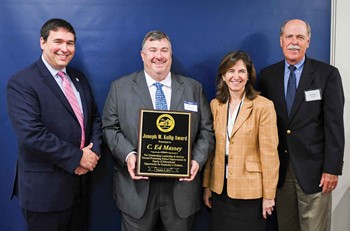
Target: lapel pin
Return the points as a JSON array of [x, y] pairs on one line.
[[77, 79]]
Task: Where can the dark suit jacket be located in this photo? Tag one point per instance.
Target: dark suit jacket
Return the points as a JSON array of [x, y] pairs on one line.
[[313, 137], [120, 123], [49, 136]]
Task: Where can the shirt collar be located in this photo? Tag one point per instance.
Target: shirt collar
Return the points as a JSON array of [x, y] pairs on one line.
[[298, 65], [166, 82], [52, 70]]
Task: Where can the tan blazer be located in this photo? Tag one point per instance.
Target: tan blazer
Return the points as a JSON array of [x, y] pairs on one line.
[[253, 159]]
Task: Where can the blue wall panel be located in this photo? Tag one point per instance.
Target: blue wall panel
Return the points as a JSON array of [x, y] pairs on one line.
[[109, 36]]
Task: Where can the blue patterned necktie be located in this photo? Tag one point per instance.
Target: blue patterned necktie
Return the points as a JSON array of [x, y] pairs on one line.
[[291, 88], [160, 97]]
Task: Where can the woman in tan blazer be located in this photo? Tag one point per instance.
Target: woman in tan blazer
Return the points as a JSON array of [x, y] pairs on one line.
[[240, 178]]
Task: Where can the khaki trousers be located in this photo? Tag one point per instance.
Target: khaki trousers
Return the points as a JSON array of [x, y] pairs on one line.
[[297, 211]]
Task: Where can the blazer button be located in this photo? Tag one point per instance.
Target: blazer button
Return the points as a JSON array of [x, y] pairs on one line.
[[289, 131], [286, 152]]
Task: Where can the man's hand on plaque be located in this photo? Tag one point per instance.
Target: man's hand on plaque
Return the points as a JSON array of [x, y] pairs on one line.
[[131, 164], [193, 171]]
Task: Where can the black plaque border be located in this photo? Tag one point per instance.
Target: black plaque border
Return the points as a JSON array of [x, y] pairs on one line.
[[140, 144]]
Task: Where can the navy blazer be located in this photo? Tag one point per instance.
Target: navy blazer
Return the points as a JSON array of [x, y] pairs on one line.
[[312, 138], [49, 136]]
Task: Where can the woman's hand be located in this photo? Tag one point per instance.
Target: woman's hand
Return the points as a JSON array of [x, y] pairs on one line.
[[207, 197], [267, 207]]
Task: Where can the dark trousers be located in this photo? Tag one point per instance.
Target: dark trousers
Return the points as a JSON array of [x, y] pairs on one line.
[[72, 219], [160, 212], [236, 214]]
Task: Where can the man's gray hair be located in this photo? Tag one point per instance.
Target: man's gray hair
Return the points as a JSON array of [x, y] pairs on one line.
[[155, 35], [308, 27]]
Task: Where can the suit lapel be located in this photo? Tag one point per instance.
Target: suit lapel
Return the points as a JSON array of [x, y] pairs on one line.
[[141, 90], [82, 95], [306, 80], [51, 83], [280, 99], [243, 115], [177, 89], [222, 118]]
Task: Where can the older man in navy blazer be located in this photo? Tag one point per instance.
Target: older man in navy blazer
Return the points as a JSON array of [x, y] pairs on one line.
[[309, 102], [58, 140]]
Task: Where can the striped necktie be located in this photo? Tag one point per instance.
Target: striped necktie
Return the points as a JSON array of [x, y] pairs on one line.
[[72, 99]]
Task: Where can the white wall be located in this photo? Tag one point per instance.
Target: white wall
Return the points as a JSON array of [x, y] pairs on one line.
[[340, 52]]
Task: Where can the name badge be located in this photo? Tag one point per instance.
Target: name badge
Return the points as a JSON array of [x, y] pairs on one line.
[[313, 95], [191, 106]]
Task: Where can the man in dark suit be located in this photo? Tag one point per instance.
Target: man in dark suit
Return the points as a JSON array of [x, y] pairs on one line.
[[309, 102], [145, 202], [58, 127]]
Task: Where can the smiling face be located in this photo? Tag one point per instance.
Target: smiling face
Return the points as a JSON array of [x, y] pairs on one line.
[[294, 41], [59, 48], [156, 57], [236, 78]]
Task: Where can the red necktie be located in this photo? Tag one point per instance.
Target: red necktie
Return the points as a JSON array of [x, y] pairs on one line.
[[72, 99]]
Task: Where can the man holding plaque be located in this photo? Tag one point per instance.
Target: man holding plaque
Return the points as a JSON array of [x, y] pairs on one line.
[[147, 201]]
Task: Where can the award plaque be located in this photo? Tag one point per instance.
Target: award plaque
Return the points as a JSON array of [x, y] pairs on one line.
[[164, 144]]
